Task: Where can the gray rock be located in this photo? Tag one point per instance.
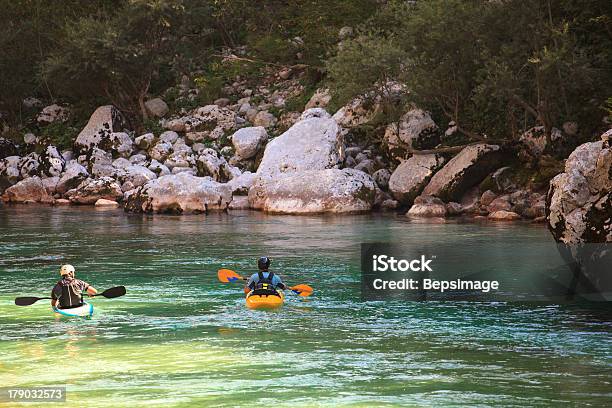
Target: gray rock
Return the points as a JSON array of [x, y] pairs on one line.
[[314, 191], [144, 141], [210, 163], [72, 177], [468, 168], [311, 144], [157, 107], [248, 141], [381, 177], [30, 139], [579, 202], [53, 113], [136, 175], [51, 162], [265, 119], [29, 190], [222, 102], [427, 206], [320, 99], [168, 137], [160, 151], [158, 168], [29, 165], [180, 193], [411, 176], [416, 130], [91, 190], [99, 130]]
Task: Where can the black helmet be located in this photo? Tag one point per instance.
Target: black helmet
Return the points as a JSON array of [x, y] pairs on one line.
[[263, 263]]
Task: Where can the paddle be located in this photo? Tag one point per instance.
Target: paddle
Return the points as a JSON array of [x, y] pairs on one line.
[[227, 275], [108, 293]]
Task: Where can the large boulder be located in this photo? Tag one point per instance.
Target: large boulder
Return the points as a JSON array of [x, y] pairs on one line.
[[100, 132], [91, 190], [579, 202], [412, 175], [180, 193], [31, 189], [314, 191], [247, 141], [468, 168], [313, 143], [72, 177], [415, 130]]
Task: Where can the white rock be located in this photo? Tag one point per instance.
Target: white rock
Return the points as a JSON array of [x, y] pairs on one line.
[[248, 141], [411, 176], [53, 113], [157, 107], [265, 119], [180, 193], [316, 191]]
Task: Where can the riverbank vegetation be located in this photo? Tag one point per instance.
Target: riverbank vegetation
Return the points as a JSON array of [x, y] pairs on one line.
[[493, 68]]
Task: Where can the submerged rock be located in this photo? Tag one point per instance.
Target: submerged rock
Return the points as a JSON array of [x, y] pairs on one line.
[[180, 193], [315, 191]]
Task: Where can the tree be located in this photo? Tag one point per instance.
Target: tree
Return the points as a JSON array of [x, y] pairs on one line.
[[117, 54]]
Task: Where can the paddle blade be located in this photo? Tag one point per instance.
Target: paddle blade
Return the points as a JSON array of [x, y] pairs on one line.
[[114, 292], [227, 275], [302, 290], [26, 301]]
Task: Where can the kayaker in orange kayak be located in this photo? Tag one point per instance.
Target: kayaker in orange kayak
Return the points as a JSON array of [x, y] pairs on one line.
[[264, 279]]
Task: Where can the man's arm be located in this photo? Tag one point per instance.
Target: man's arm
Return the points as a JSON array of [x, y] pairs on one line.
[[89, 289], [279, 282]]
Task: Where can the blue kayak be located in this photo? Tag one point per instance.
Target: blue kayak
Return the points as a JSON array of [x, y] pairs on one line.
[[85, 310]]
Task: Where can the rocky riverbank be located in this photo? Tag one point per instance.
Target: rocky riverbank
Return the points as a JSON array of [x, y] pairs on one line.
[[252, 150], [212, 159]]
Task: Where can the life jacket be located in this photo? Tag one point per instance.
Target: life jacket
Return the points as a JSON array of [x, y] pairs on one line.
[[68, 298], [264, 285]]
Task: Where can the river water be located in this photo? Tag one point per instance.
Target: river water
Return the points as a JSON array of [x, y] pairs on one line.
[[179, 338]]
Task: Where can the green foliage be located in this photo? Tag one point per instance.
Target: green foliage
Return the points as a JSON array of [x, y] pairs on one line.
[[60, 134], [505, 67]]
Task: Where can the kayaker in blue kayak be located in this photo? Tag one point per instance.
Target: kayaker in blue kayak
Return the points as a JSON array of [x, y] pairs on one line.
[[264, 279], [67, 293]]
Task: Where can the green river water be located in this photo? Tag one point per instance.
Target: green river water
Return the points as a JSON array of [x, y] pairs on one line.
[[179, 338]]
